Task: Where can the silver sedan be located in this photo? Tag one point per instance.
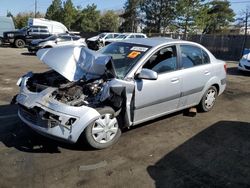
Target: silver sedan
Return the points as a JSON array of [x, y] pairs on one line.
[[122, 85]]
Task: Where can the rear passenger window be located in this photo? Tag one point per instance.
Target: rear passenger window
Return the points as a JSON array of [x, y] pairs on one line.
[[64, 38], [193, 56]]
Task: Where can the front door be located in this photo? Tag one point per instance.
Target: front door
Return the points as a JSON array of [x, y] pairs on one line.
[[154, 98]]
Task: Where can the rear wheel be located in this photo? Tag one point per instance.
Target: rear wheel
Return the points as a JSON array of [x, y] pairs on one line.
[[208, 100], [105, 131], [19, 43]]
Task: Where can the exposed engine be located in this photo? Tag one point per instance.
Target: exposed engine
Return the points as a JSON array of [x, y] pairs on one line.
[[79, 93], [71, 93]]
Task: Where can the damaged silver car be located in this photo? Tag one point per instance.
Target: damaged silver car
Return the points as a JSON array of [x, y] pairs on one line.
[[125, 83]]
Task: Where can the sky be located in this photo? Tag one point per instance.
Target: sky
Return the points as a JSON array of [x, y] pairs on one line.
[[15, 6]]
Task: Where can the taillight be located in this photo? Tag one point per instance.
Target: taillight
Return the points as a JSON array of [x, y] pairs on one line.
[[225, 67]]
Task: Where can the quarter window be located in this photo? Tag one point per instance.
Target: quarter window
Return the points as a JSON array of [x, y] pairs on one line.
[[164, 60], [193, 56]]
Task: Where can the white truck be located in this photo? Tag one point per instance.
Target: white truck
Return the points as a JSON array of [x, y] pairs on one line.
[[54, 27]]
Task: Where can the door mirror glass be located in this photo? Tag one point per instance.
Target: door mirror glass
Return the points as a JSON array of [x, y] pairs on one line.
[[147, 74]]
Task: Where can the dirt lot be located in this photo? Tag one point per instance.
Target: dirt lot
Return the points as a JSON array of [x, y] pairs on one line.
[[209, 150]]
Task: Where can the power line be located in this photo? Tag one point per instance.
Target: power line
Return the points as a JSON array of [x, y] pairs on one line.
[[239, 2]]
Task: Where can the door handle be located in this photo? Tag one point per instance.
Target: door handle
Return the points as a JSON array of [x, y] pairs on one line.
[[207, 73], [175, 80]]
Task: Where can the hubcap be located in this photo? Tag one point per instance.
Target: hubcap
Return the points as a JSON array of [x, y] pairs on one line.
[[105, 128], [20, 43], [210, 98]]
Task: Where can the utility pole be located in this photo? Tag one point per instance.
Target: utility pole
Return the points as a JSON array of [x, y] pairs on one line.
[[35, 7]]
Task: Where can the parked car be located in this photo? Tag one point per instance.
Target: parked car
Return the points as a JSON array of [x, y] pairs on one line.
[[125, 36], [56, 40], [97, 42], [25, 35], [244, 64], [6, 24], [122, 85]]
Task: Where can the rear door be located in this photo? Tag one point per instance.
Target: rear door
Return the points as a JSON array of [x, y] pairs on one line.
[[196, 71]]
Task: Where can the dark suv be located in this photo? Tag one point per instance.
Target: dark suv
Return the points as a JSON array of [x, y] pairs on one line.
[[25, 35]]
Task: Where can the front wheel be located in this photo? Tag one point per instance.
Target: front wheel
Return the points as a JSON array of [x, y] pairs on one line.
[[1, 41], [104, 131], [208, 100], [19, 43]]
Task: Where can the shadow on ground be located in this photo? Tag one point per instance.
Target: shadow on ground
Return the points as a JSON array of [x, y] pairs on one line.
[[28, 54], [217, 157], [14, 133], [236, 72]]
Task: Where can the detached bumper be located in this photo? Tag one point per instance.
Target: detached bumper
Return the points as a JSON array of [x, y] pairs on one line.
[[52, 118]]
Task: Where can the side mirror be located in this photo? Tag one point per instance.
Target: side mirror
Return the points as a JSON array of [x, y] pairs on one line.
[[147, 74]]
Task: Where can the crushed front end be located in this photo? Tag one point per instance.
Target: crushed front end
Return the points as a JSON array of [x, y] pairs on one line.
[[53, 106], [62, 102]]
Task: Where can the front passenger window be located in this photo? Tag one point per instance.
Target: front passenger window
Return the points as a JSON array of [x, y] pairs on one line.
[[165, 60]]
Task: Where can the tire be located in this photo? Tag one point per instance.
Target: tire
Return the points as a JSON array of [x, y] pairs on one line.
[[1, 41], [19, 43], [208, 100], [104, 134]]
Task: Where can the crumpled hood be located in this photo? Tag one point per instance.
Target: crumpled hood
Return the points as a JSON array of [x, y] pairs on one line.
[[75, 62]]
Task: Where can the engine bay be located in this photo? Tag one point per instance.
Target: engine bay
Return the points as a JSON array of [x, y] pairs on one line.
[[71, 93]]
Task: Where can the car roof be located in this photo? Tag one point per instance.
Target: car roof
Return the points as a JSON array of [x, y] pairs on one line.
[[155, 41]]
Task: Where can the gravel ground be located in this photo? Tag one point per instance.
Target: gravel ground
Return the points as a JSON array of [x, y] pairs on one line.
[[208, 150]]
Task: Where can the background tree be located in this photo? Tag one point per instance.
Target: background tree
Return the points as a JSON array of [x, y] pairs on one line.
[[220, 15], [130, 16], [202, 18], [87, 19], [54, 12], [158, 14], [69, 13], [187, 11], [21, 19], [109, 21]]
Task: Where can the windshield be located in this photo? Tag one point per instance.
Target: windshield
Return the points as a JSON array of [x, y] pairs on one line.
[[121, 37], [53, 37], [24, 28], [125, 56], [102, 35]]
